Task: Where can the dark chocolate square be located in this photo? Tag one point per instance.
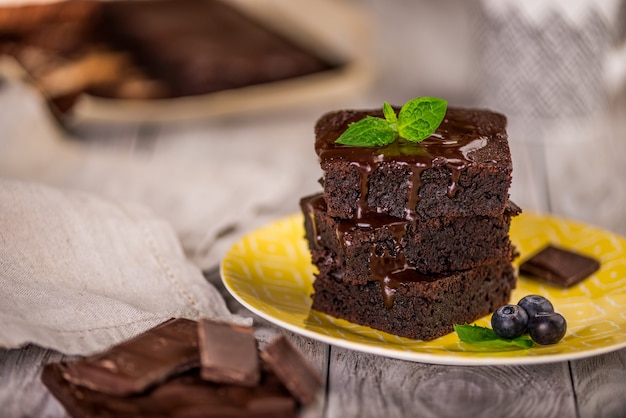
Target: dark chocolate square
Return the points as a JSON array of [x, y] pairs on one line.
[[186, 395], [559, 266], [141, 362], [228, 353], [292, 369]]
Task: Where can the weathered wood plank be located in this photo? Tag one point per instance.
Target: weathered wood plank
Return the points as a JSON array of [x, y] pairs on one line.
[[600, 385], [363, 385], [21, 392]]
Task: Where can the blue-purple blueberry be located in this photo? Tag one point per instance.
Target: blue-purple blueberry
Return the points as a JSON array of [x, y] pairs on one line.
[[533, 304], [547, 327], [509, 321]]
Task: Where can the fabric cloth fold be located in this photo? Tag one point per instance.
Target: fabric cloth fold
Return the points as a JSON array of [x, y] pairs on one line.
[[79, 273]]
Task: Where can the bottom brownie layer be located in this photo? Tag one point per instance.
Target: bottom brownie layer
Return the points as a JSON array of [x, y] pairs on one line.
[[423, 309]]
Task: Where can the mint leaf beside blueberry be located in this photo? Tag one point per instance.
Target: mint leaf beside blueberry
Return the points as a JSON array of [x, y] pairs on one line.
[[486, 337], [533, 314]]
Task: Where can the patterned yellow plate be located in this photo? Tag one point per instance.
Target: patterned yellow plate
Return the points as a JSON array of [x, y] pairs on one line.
[[269, 271]]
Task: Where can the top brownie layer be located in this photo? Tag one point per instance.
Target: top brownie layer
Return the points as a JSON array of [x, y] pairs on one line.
[[463, 169]]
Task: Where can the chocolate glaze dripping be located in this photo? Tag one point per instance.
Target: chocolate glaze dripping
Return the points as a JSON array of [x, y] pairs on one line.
[[389, 271], [391, 268], [456, 168], [449, 146], [365, 171], [308, 206], [382, 269], [413, 192], [387, 266]]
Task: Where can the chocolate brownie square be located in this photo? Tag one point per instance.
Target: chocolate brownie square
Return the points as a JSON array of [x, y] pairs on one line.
[[463, 169], [203, 46], [417, 306], [371, 246]]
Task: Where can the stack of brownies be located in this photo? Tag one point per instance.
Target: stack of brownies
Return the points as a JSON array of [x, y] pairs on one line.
[[412, 238]]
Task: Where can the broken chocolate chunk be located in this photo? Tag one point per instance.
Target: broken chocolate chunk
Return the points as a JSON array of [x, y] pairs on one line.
[[559, 266], [228, 353], [188, 369], [292, 369], [133, 366], [187, 395]]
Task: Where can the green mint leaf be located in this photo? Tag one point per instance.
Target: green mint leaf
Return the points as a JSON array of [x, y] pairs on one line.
[[486, 337], [502, 344], [523, 342], [474, 333], [368, 132], [390, 115], [420, 117], [417, 119]]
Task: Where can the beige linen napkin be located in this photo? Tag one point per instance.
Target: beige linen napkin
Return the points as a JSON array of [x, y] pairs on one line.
[[79, 273]]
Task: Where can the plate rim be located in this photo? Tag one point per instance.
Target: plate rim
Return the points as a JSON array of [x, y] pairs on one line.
[[413, 355]]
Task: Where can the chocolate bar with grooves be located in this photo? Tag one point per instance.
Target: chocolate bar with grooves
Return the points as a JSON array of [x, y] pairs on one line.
[[141, 362], [228, 353], [184, 396], [292, 369]]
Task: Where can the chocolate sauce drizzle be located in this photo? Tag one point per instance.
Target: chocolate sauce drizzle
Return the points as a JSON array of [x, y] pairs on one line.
[[388, 266], [449, 146]]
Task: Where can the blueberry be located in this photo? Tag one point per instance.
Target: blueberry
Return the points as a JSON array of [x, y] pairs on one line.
[[534, 304], [547, 327], [509, 321]]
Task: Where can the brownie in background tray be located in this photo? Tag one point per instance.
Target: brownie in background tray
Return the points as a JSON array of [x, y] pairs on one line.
[[203, 46], [149, 49]]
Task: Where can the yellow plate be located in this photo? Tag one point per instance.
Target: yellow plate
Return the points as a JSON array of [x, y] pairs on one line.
[[270, 272]]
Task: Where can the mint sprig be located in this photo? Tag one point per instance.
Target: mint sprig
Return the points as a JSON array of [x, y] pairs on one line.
[[486, 337], [417, 119]]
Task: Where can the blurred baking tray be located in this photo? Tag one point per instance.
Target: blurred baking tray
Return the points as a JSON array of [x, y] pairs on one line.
[[336, 30]]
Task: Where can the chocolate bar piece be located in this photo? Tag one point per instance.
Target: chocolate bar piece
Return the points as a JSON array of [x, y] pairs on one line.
[[228, 353], [559, 266], [133, 366], [187, 396], [292, 369], [160, 374]]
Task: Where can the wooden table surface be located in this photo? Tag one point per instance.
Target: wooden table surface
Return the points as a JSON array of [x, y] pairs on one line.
[[357, 384], [366, 385]]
